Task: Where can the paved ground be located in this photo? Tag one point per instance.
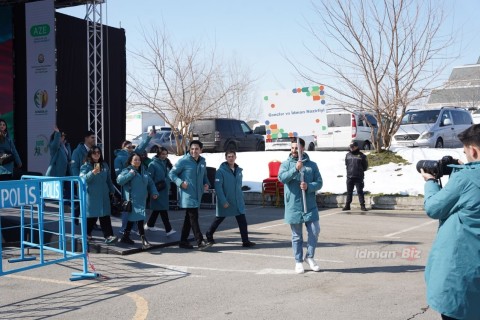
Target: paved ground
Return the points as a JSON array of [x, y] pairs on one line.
[[372, 268]]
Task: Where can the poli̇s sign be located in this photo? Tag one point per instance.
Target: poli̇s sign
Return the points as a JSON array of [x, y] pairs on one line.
[[19, 193], [295, 112]]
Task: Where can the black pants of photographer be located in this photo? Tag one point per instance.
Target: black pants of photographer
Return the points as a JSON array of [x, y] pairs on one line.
[[191, 222], [105, 225], [164, 215], [358, 184], [141, 229]]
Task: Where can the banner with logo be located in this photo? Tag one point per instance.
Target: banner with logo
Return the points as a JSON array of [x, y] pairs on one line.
[[41, 96]]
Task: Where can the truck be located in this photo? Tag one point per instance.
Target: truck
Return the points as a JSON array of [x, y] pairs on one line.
[[140, 121]]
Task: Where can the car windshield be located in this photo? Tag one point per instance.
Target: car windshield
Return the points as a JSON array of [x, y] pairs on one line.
[[414, 117]]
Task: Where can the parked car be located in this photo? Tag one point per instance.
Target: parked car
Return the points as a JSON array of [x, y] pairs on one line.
[[476, 116], [222, 134], [282, 143], [345, 127], [161, 139], [432, 128]]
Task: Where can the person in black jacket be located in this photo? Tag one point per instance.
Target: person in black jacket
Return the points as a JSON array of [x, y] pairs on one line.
[[356, 163]]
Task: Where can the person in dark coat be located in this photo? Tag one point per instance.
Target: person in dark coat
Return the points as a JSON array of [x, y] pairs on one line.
[[137, 184], [7, 147], [190, 176], [356, 163], [158, 169], [99, 188], [230, 201]]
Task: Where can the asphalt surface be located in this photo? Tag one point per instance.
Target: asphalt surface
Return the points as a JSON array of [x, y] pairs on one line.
[[372, 268]]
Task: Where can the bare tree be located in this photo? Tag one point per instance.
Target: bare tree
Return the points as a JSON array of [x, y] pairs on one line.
[[381, 56], [182, 83]]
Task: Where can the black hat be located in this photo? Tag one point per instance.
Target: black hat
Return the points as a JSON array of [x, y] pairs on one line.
[[354, 144]]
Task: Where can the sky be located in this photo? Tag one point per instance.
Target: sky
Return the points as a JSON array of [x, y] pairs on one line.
[[261, 33], [387, 179]]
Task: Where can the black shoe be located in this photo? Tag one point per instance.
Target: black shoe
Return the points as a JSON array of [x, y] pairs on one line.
[[204, 245], [126, 238], [363, 208], [145, 243], [346, 208], [248, 244], [185, 245]]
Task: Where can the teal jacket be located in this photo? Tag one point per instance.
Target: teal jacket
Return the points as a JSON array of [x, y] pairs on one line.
[[60, 157], [452, 273], [290, 177], [78, 159], [228, 187], [99, 187], [7, 146], [159, 172], [195, 174], [136, 187], [121, 155]]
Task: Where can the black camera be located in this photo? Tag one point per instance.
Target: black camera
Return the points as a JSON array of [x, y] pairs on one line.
[[437, 168]]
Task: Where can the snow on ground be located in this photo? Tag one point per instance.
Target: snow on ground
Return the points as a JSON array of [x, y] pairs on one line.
[[390, 178]]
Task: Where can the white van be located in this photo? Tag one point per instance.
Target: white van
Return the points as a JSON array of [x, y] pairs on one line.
[[282, 143], [345, 127]]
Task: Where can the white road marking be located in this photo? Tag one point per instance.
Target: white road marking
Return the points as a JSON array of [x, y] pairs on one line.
[[409, 229], [271, 226], [272, 256]]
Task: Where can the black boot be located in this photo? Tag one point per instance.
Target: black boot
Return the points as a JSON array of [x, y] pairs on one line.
[[126, 238], [363, 208], [346, 208], [145, 243]]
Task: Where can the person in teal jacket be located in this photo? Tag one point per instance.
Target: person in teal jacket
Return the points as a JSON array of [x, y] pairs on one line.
[[158, 169], [190, 176], [99, 188], [300, 175], [60, 155], [230, 201], [80, 152], [452, 273], [137, 184], [7, 147]]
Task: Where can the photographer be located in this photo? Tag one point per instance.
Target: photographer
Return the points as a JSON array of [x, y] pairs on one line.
[[452, 273]]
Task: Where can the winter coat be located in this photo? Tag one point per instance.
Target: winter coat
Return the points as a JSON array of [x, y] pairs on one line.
[[195, 174], [136, 187], [60, 157], [98, 189], [78, 159], [7, 146], [356, 163], [159, 172], [121, 155], [452, 273], [290, 177], [228, 187]]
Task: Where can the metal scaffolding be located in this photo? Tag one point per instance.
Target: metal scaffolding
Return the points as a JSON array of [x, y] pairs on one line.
[[95, 68]]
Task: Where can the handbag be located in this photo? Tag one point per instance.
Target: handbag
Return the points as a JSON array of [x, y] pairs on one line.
[[6, 158], [161, 185], [127, 206]]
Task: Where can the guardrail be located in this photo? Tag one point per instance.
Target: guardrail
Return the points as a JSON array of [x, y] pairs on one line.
[[51, 233]]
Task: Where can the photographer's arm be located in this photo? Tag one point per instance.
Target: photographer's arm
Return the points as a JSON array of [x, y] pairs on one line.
[[441, 203]]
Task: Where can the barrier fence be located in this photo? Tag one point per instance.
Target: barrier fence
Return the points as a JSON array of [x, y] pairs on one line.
[[38, 224]]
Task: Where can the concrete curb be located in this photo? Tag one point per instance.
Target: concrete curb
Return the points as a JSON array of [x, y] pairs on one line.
[[337, 201]]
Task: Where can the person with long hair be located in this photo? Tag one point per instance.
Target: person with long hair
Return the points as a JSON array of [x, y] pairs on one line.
[[99, 186], [8, 153], [159, 168], [137, 184]]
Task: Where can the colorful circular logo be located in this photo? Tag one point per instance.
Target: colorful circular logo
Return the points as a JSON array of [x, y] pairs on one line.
[[40, 98]]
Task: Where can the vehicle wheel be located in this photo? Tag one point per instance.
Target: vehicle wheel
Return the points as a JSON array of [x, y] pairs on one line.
[[439, 143], [231, 147], [261, 146], [311, 147], [367, 145], [154, 149]]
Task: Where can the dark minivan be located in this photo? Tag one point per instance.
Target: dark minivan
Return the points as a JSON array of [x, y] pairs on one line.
[[222, 134]]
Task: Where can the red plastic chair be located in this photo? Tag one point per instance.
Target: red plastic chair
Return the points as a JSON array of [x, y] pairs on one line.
[[271, 186]]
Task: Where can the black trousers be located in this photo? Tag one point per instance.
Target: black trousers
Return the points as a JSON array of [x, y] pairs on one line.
[[105, 225], [191, 222], [358, 184], [242, 226], [164, 215], [141, 229], [444, 317]]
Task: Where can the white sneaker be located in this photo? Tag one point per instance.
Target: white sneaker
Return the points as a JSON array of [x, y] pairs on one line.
[[313, 265], [299, 267], [146, 227], [169, 233]]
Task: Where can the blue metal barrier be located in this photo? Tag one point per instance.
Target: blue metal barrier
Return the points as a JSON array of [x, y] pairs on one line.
[[51, 232]]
